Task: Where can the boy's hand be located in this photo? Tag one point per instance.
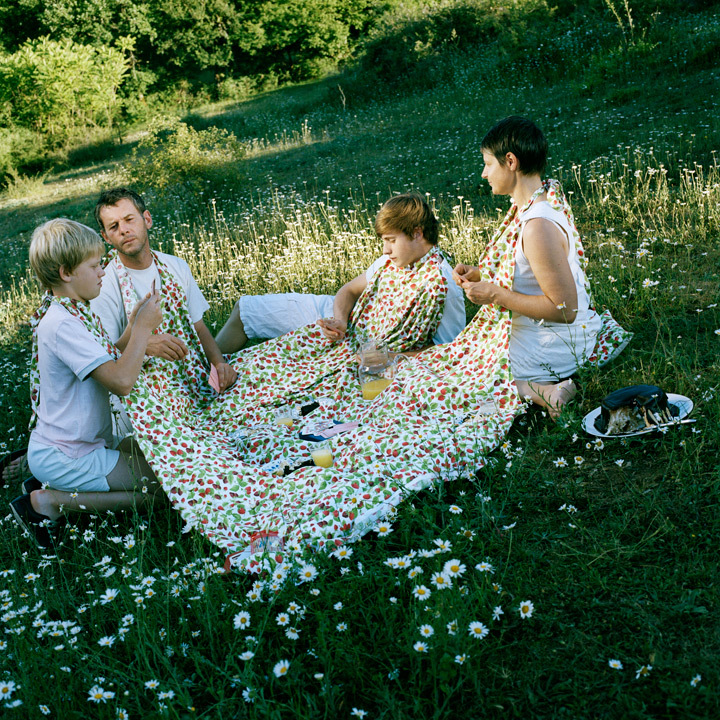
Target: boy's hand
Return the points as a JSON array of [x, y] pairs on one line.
[[465, 273], [333, 329], [138, 305], [149, 314]]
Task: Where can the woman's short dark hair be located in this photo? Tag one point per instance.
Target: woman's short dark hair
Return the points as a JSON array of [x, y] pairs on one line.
[[523, 138]]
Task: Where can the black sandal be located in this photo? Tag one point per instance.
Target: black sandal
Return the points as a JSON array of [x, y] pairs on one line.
[[28, 482], [41, 528]]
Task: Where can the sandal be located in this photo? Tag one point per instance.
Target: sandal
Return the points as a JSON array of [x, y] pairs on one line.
[[11, 470], [42, 529]]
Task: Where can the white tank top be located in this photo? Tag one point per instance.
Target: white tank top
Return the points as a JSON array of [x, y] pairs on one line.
[[524, 280]]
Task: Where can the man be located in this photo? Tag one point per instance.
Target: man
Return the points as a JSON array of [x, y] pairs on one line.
[[135, 271], [408, 229]]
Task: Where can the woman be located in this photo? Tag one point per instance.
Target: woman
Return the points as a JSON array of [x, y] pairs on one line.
[[554, 329]]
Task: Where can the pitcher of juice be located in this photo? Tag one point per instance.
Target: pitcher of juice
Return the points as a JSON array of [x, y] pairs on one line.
[[373, 353], [376, 369]]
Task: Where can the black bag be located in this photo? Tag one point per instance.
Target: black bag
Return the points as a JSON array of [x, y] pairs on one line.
[[634, 408]]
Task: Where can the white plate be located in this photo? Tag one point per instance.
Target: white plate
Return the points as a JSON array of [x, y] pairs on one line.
[[683, 404]]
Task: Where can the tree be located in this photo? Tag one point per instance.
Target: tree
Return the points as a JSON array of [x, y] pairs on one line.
[[303, 38], [19, 21], [197, 35]]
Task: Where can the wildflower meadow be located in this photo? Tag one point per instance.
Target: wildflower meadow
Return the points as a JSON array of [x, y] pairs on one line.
[[572, 577]]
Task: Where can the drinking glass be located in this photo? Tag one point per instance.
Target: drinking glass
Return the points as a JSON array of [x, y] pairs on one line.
[[375, 378], [322, 454], [285, 415]]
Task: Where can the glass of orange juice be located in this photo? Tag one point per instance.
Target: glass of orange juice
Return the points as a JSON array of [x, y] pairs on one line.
[[285, 415], [322, 454]]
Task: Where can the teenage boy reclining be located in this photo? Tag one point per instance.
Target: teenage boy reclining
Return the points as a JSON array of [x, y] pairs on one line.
[[409, 231]]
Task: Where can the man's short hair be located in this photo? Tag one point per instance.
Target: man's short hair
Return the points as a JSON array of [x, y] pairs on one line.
[[61, 242], [404, 213], [523, 138], [111, 197]]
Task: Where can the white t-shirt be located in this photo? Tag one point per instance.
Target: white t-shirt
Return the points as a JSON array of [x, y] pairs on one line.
[[452, 321], [108, 305], [73, 409]]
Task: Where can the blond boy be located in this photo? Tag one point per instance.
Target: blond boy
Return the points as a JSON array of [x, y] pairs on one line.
[[74, 368]]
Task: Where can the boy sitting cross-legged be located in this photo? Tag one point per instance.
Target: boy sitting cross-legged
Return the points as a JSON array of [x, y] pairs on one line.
[[74, 365]]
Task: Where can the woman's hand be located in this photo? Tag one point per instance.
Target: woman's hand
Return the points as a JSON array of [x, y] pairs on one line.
[[481, 293], [465, 273]]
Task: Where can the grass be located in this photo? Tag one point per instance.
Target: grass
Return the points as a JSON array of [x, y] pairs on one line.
[[614, 543]]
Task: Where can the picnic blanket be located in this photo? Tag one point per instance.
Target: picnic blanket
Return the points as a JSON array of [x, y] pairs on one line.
[[222, 460]]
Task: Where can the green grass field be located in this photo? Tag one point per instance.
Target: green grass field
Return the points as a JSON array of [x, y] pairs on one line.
[[614, 543]]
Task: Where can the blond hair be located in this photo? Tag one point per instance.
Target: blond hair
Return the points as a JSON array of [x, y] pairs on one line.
[[61, 242]]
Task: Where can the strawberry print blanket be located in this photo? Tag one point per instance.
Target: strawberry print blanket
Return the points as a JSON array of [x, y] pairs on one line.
[[236, 476]]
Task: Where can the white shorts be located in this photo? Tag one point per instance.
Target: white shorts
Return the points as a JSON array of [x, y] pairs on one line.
[[550, 352], [269, 316], [88, 473]]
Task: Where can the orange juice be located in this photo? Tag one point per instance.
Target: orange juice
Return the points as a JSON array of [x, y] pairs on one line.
[[372, 388], [284, 421], [322, 457]]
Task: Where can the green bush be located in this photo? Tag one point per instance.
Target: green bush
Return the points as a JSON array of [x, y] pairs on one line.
[[18, 147], [231, 88], [59, 88], [621, 63], [173, 152]]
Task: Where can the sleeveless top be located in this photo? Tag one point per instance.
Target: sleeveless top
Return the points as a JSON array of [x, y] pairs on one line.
[[541, 350]]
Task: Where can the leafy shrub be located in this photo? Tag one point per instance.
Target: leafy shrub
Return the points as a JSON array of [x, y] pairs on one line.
[[230, 88], [621, 63], [136, 98], [173, 152], [59, 88], [18, 147]]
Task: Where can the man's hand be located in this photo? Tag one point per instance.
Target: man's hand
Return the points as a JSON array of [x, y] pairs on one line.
[[465, 273], [333, 329], [226, 375], [167, 346]]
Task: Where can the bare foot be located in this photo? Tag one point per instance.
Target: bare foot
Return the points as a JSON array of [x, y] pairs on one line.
[[553, 397], [42, 502], [559, 396], [16, 471]]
